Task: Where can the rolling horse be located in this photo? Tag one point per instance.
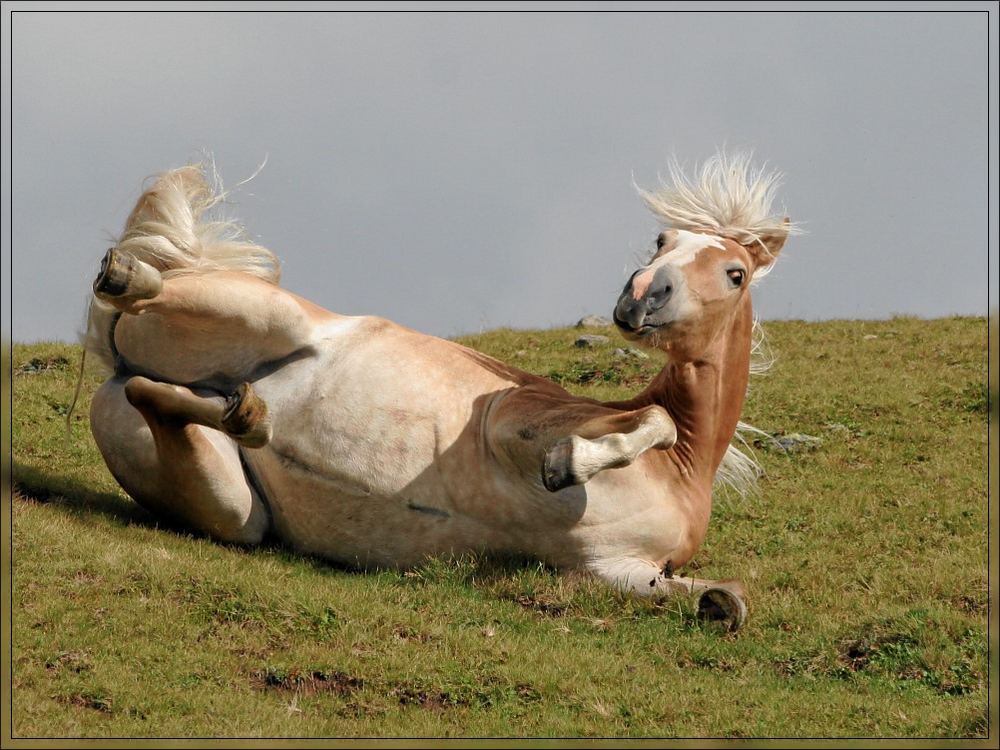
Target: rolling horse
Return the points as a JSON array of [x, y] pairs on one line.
[[239, 409]]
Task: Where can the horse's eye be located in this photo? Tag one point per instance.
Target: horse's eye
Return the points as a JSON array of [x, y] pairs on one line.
[[736, 275]]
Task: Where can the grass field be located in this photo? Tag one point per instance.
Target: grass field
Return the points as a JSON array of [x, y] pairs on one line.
[[865, 559]]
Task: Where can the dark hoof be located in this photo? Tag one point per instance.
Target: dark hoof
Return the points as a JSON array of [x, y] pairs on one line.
[[245, 418], [124, 277], [557, 467], [112, 279], [723, 605]]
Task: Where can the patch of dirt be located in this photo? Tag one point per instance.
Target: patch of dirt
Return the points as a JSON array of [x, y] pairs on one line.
[[527, 693], [72, 660], [971, 604], [407, 635], [309, 682], [37, 365], [433, 700], [858, 654], [93, 701], [541, 604]]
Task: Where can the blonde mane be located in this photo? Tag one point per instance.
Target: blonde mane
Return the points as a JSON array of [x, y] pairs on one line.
[[731, 198], [727, 196]]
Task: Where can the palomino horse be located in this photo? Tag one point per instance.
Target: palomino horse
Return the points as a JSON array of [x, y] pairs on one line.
[[238, 408]]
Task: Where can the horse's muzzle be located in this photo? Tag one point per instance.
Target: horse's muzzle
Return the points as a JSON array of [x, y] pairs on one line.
[[631, 314]]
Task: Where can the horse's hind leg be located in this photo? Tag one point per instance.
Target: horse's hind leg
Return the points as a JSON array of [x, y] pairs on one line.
[[203, 327], [174, 453], [242, 416], [124, 279]]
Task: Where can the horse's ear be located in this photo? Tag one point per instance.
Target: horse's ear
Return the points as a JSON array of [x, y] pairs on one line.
[[772, 241]]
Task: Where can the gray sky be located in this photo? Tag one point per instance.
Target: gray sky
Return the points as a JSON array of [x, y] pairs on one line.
[[459, 172]]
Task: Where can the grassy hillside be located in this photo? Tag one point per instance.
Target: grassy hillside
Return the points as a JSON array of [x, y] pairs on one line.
[[865, 559]]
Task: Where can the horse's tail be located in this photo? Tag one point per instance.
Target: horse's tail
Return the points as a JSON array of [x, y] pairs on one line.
[[169, 229]]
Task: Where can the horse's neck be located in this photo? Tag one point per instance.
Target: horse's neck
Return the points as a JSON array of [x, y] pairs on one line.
[[705, 398]]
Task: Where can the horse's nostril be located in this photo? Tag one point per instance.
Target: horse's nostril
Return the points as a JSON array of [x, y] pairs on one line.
[[629, 314], [659, 298]]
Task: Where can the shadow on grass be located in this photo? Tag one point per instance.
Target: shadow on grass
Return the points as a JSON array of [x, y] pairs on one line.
[[510, 577], [65, 493]]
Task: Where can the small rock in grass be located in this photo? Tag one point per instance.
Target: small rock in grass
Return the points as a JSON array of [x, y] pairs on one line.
[[630, 353], [590, 340], [593, 321], [795, 442]]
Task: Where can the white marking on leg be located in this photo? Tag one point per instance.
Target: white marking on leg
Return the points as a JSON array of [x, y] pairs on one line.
[[622, 448]]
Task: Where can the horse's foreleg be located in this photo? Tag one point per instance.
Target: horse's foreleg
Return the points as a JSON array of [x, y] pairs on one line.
[[174, 453], [564, 442], [604, 443], [719, 601]]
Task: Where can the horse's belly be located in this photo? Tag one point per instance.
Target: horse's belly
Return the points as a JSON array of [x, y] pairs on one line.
[[374, 464], [354, 469], [340, 519]]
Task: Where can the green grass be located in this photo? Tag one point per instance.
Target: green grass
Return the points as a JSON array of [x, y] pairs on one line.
[[865, 559]]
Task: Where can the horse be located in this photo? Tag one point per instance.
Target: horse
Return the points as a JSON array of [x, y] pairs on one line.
[[239, 409]]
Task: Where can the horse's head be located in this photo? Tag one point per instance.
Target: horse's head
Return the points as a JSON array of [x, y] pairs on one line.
[[690, 290], [723, 235]]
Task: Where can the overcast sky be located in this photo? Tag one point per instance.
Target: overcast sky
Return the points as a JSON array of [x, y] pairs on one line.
[[460, 172]]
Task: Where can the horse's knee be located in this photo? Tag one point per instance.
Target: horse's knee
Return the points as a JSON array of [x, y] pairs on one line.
[[662, 426], [240, 519], [180, 470], [139, 392]]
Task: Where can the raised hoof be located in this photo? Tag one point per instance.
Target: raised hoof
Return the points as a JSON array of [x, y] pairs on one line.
[[557, 466], [124, 277], [245, 418], [724, 605]]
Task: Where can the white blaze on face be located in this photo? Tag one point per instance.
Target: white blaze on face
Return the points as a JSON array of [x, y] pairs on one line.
[[684, 249], [687, 247]]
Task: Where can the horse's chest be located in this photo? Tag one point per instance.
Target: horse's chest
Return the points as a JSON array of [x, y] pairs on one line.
[[642, 512]]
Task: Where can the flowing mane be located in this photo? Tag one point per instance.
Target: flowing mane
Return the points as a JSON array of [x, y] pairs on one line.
[[732, 198], [727, 196]]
